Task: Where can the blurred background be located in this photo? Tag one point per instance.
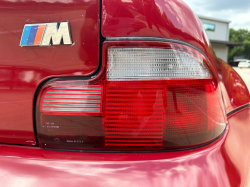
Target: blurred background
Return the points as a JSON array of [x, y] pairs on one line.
[[227, 24]]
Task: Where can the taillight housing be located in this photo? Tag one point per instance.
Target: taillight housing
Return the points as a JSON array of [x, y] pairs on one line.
[[148, 96]]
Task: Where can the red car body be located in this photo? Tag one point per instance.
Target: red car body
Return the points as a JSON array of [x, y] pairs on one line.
[[224, 162]]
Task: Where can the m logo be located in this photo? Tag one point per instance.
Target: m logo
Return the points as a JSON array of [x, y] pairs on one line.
[[46, 34]]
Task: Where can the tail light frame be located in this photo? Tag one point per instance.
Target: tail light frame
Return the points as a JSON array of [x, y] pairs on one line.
[[103, 73]]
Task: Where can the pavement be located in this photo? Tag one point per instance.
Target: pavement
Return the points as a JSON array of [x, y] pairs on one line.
[[245, 75]]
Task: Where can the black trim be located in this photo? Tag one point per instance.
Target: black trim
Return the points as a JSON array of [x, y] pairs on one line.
[[34, 111], [101, 39], [237, 109], [151, 39]]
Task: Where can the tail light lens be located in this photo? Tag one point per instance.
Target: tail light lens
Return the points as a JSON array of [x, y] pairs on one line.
[[148, 96]]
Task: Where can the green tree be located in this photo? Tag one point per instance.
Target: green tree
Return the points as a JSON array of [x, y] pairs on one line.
[[247, 48], [241, 35]]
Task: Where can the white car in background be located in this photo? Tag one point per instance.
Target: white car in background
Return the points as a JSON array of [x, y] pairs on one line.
[[244, 64]]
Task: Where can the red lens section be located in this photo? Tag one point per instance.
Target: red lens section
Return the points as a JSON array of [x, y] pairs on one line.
[[133, 115], [193, 113]]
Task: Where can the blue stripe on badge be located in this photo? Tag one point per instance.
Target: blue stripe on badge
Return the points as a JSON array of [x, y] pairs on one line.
[[25, 36], [32, 35]]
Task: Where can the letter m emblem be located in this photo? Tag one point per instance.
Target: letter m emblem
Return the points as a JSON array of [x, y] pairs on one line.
[[56, 35]]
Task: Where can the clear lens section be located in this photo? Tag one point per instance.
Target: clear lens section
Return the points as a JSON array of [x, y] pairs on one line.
[[155, 63]]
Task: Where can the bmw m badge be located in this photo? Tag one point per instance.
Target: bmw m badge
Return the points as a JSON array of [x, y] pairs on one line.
[[46, 34]]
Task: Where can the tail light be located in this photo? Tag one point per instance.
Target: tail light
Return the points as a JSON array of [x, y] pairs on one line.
[[148, 96]]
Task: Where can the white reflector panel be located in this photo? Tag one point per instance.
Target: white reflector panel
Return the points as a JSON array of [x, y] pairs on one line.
[[154, 63], [73, 99]]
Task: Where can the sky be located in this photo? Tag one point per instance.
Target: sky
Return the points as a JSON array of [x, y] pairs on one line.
[[236, 11]]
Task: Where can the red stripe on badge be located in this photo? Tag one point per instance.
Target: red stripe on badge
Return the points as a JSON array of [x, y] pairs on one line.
[[39, 35]]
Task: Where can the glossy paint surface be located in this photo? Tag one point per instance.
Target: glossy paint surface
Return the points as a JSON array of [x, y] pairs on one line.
[[237, 144], [169, 19], [23, 69], [214, 165], [234, 90]]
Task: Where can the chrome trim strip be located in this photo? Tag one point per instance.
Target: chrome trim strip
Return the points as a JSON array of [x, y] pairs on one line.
[[73, 105], [77, 88], [73, 109], [70, 101], [73, 96], [74, 92]]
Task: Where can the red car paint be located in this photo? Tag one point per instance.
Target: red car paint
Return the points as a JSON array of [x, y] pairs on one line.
[[23, 69], [223, 163], [235, 92], [154, 18]]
